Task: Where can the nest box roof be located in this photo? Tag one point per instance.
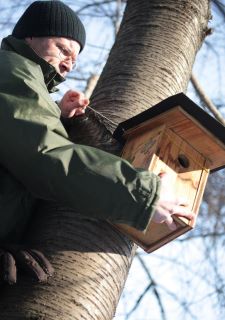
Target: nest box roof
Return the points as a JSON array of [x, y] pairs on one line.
[[185, 118]]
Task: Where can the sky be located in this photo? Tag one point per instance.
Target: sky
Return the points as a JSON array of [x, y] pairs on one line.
[[209, 68]]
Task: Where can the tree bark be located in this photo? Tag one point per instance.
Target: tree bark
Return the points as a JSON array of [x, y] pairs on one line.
[[152, 59]]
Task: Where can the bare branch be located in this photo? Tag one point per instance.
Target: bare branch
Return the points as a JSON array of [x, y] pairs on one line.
[[220, 6], [91, 83], [206, 100], [94, 4], [152, 283]]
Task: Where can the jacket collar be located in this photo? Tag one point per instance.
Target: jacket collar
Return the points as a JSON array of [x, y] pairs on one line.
[[51, 77]]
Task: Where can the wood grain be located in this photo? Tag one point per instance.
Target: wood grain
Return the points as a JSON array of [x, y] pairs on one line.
[[163, 150]]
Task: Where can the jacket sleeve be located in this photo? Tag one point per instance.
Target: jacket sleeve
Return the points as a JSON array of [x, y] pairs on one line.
[[34, 147]]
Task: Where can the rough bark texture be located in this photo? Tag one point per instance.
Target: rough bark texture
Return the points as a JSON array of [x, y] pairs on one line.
[[152, 57], [89, 268], [151, 60]]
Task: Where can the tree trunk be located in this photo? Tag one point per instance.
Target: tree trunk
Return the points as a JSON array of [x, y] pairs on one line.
[[152, 57], [151, 60]]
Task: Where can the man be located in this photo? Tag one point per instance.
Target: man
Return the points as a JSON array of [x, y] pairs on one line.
[[37, 160]]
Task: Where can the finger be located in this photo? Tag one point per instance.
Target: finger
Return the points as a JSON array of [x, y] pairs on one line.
[[8, 272], [160, 215], [86, 102], [162, 174], [190, 217], [42, 260], [170, 223], [72, 93], [80, 111], [183, 212], [27, 263], [82, 103]]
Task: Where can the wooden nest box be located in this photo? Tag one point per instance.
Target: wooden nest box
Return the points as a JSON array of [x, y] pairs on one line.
[[179, 138]]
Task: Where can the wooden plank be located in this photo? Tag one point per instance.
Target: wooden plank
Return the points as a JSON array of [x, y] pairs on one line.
[[162, 150]]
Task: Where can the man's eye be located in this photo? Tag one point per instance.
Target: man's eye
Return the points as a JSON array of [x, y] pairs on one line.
[[65, 52]]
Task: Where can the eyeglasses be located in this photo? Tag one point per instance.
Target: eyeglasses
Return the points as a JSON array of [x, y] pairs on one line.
[[65, 55]]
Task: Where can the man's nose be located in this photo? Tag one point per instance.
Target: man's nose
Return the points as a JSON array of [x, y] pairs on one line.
[[68, 64]]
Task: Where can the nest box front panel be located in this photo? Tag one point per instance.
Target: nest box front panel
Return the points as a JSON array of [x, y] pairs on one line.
[[163, 151]]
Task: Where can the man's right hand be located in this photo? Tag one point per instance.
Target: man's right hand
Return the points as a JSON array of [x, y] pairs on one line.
[[168, 205], [14, 259], [73, 104]]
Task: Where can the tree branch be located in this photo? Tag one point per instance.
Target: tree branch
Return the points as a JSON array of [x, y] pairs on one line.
[[206, 100], [152, 283]]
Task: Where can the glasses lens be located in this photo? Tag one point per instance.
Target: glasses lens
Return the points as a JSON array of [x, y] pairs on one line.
[[64, 55]]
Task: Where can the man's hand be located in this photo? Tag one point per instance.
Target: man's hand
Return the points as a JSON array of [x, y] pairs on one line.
[[73, 104], [168, 205], [14, 259]]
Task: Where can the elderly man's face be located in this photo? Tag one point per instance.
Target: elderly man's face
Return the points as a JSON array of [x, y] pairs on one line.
[[60, 52]]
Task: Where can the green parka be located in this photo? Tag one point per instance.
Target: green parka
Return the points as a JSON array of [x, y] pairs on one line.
[[37, 160]]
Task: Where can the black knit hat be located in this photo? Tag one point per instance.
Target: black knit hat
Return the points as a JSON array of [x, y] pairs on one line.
[[50, 18]]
